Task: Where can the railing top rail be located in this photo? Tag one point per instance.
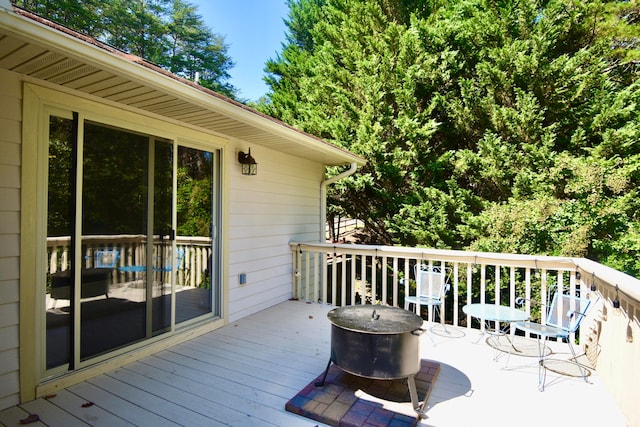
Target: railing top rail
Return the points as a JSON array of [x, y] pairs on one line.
[[479, 258], [590, 270], [598, 273], [121, 238]]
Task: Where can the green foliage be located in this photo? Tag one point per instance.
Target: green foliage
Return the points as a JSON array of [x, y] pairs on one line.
[[195, 192], [169, 33], [194, 205], [60, 171], [500, 126]]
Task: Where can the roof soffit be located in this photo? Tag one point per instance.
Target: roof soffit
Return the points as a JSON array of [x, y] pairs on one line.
[[44, 50]]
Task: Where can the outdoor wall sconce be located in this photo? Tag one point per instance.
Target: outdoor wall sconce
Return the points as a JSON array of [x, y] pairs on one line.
[[248, 163]]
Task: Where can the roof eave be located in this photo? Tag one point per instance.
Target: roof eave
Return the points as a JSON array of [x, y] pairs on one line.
[[27, 26]]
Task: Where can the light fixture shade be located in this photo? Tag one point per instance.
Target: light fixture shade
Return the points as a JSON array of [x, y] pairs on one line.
[[250, 169], [248, 163]]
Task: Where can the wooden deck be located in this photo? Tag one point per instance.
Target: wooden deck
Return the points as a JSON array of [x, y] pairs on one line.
[[244, 373]]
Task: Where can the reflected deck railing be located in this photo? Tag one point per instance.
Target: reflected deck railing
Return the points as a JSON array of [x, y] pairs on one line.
[[133, 249], [345, 274]]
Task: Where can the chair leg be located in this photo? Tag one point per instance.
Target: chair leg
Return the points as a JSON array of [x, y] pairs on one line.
[[542, 371], [438, 314], [578, 364]]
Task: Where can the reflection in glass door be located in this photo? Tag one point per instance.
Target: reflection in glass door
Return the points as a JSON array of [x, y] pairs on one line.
[[59, 229], [158, 282], [124, 264], [119, 302], [115, 200], [195, 254]]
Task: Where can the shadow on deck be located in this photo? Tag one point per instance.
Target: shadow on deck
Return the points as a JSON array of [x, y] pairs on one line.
[[244, 373]]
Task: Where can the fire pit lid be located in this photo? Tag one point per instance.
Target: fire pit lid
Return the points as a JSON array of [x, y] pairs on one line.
[[375, 319]]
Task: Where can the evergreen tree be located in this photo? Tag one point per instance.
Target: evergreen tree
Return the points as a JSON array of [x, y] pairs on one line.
[[169, 33], [194, 49], [502, 126]]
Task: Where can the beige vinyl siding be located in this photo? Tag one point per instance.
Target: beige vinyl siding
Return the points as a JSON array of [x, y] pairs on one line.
[[267, 211], [10, 149]]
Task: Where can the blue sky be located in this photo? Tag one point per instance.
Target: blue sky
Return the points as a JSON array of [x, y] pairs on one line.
[[254, 31]]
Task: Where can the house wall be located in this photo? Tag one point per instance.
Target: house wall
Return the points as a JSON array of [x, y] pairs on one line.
[[263, 214], [267, 211], [10, 154]]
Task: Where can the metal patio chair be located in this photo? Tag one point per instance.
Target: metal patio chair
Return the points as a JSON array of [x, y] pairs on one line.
[[106, 258], [431, 288], [167, 268], [563, 318]]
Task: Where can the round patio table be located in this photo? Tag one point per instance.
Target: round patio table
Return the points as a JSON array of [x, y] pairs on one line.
[[499, 314], [495, 313]]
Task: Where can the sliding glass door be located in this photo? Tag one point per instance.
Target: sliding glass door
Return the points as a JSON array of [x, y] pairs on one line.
[[196, 191], [123, 265], [115, 202]]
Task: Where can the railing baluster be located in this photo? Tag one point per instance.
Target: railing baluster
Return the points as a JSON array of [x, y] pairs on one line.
[[430, 285], [316, 277], [407, 277], [53, 263], [343, 279], [395, 281], [307, 276], [374, 270], [363, 279], [483, 277], [497, 292], [543, 295], [65, 258], [334, 278], [385, 301], [512, 286], [353, 278], [456, 291], [527, 293]]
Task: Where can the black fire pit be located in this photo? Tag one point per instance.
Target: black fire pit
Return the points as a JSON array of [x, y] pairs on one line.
[[376, 341]]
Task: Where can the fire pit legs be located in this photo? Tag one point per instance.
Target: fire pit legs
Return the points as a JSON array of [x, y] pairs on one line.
[[324, 377], [411, 382], [413, 392]]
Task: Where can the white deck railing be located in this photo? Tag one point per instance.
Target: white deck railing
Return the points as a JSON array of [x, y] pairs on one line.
[[345, 274]]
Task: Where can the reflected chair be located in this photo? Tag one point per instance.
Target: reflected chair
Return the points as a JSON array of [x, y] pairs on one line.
[[563, 318], [167, 268], [431, 289], [107, 258]]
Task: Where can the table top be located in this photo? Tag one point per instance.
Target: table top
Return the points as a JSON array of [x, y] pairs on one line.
[[375, 319], [500, 313]]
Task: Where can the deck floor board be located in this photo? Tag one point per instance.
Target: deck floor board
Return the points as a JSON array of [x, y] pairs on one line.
[[111, 402], [84, 409], [244, 373]]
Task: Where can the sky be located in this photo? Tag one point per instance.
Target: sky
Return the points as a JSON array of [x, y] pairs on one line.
[[253, 31]]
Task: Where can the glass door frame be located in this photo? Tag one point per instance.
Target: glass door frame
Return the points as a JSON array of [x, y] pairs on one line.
[[39, 104]]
